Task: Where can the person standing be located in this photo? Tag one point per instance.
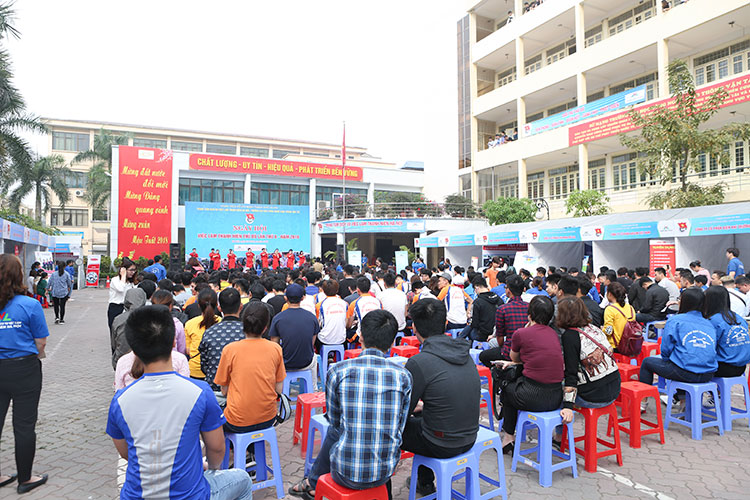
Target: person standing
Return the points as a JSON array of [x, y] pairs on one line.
[[331, 313], [124, 281], [231, 259], [735, 267], [455, 301], [159, 271], [492, 272], [263, 259], [250, 259], [193, 254], [216, 260], [60, 287], [23, 336], [290, 259], [276, 258]]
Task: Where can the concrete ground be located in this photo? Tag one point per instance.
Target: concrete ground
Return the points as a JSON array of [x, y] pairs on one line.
[[74, 450]]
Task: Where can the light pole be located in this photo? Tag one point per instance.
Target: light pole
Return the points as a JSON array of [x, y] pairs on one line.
[[541, 204]]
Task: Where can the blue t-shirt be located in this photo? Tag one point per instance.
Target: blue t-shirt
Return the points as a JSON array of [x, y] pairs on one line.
[[21, 321], [161, 416], [736, 265], [159, 271], [499, 290], [689, 341], [732, 341], [594, 294], [296, 328], [71, 271], [416, 266]]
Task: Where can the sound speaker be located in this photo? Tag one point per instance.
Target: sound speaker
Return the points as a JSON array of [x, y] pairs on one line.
[[176, 259]]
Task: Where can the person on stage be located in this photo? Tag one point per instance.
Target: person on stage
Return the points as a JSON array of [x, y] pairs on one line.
[[193, 254], [301, 259], [250, 259], [263, 259], [276, 258], [216, 259], [231, 259], [290, 259]]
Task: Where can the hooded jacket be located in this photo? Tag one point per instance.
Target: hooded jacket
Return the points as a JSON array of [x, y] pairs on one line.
[[445, 378], [483, 314], [134, 298]]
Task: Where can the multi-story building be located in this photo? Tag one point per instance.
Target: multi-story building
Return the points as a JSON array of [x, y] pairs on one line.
[[542, 71]]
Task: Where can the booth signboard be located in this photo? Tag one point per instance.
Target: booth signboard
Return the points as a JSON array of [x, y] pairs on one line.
[[724, 224], [634, 231], [564, 234], [46, 259], [402, 260], [426, 242], [354, 257], [460, 240], [674, 228], [92, 271], [661, 254], [371, 226]]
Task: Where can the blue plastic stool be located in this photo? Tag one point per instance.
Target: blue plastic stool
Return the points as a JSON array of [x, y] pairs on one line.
[[480, 345], [325, 350], [454, 333], [240, 443], [546, 422], [474, 353], [320, 374], [728, 413], [657, 329], [319, 422], [399, 335], [445, 469], [692, 416], [491, 440], [298, 375], [487, 398]]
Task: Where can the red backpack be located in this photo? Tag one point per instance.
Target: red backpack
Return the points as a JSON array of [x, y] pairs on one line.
[[631, 340]]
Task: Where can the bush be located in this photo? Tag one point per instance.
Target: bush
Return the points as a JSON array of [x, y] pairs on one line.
[[457, 205], [509, 210]]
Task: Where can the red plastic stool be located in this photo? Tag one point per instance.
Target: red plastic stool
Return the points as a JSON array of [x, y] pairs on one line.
[[305, 405], [631, 394], [412, 341], [485, 372], [590, 440], [648, 349], [625, 360], [352, 353], [327, 488], [405, 351], [628, 371]]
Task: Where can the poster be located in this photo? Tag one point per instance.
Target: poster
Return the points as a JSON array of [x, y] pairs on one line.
[[661, 254], [354, 257], [46, 260], [402, 260], [475, 263], [524, 260], [144, 201], [92, 270]]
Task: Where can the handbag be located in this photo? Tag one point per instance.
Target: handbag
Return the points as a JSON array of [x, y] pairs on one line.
[[500, 380]]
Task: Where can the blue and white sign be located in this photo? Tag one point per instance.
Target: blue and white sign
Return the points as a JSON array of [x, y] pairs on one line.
[[372, 226], [723, 224], [426, 242], [634, 231]]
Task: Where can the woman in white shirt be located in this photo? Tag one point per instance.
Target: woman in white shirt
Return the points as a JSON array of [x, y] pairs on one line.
[[117, 288]]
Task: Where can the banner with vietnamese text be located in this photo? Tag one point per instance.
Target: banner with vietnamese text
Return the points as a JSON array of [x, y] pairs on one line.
[[272, 166]]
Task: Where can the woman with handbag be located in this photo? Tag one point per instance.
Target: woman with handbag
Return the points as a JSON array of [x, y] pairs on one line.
[[539, 387], [616, 314]]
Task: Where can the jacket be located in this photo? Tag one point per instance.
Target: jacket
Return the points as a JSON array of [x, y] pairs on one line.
[[655, 301], [689, 341], [636, 296], [445, 378], [483, 314], [596, 312], [134, 298]]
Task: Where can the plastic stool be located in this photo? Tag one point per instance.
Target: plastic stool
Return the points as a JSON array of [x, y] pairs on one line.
[[319, 423], [590, 453], [399, 360], [486, 374], [692, 416], [240, 443], [485, 400], [352, 353], [399, 335], [454, 333], [298, 375], [648, 349], [325, 350], [546, 423], [627, 372], [319, 360], [328, 488], [480, 345], [491, 440], [625, 360], [631, 395], [405, 351], [445, 469], [728, 413], [658, 327], [474, 353], [306, 403], [412, 341]]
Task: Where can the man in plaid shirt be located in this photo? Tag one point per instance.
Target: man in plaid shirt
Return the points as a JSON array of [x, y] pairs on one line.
[[367, 401], [509, 318]]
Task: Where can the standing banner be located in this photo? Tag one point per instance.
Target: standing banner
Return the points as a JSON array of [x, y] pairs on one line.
[[661, 254], [92, 270], [524, 260], [144, 201], [46, 260], [354, 257], [475, 263], [402, 260]]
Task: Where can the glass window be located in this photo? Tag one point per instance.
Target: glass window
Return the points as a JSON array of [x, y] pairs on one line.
[[143, 142], [70, 141], [194, 147], [69, 217], [207, 190], [280, 194], [322, 154], [76, 179], [535, 185], [326, 193], [701, 165], [221, 149], [597, 174], [737, 64], [280, 153], [624, 171], [700, 76], [723, 68], [254, 152], [100, 214], [739, 156], [562, 181]]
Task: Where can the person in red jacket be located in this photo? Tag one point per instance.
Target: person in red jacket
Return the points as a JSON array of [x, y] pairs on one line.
[[264, 259], [231, 259], [194, 253], [276, 258], [250, 259], [301, 259], [216, 259], [211, 259], [290, 259]]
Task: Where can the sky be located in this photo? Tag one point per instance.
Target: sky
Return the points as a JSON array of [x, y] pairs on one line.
[[288, 69]]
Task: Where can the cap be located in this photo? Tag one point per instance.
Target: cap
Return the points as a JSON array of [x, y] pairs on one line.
[[294, 291], [447, 277]]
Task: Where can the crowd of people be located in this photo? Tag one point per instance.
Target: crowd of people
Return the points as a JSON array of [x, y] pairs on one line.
[[264, 260], [197, 353], [503, 138]]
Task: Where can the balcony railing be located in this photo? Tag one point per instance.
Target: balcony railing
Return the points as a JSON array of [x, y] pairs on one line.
[[401, 210]]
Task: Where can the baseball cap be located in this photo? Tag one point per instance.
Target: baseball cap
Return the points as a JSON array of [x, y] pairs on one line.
[[447, 276], [294, 291]]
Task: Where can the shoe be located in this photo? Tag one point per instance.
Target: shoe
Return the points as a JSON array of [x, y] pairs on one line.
[[11, 479], [57, 320], [664, 399], [708, 400], [556, 443], [26, 487], [508, 448], [62, 321], [422, 489], [644, 406]]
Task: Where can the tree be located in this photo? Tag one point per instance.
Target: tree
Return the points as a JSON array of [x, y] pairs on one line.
[[585, 203], [43, 177], [671, 142], [509, 210], [457, 205], [99, 182]]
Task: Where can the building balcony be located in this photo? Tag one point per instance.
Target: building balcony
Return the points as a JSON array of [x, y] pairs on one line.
[[399, 210]]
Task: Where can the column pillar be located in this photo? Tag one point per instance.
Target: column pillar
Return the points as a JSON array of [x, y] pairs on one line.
[[246, 197], [522, 191], [583, 167], [581, 88], [580, 27], [520, 58], [662, 61], [517, 8], [312, 200], [520, 115]]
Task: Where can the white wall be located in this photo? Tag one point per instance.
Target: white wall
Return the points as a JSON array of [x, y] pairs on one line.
[[557, 254], [461, 256], [710, 250], [615, 254]]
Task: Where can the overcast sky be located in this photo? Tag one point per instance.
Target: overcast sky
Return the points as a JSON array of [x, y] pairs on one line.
[[291, 69]]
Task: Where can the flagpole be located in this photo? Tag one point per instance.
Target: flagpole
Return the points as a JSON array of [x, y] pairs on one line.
[[343, 188]]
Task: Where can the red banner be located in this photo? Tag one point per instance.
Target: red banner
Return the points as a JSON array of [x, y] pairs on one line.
[[92, 270], [144, 201], [661, 254], [268, 166], [738, 90]]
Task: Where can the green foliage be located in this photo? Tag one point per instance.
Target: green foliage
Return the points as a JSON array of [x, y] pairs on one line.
[[42, 178], [457, 205], [99, 176], [412, 255], [356, 206], [27, 221], [671, 141], [400, 204], [351, 245], [585, 203], [509, 210]]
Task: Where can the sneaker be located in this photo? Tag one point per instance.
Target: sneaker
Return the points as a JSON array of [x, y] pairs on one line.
[[422, 489], [708, 400], [62, 321], [57, 320], [664, 400], [644, 406]]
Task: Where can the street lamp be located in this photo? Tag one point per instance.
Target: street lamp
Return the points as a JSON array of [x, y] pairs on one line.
[[541, 204]]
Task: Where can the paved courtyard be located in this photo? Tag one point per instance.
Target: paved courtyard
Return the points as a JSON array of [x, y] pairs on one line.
[[82, 463]]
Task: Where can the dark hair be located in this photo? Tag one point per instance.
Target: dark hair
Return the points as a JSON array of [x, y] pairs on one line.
[[330, 287], [691, 300], [734, 251], [255, 319], [541, 310], [379, 329], [229, 300], [660, 270], [60, 267], [568, 285], [695, 263], [11, 278], [571, 313], [717, 301], [363, 284], [478, 280], [348, 269], [687, 276], [618, 292], [541, 270], [515, 284], [644, 280], [162, 298], [584, 285], [207, 303], [537, 282], [429, 316], [242, 284], [166, 284], [554, 279], [257, 291], [157, 258], [150, 333], [573, 270], [425, 271], [501, 276], [279, 285], [700, 278], [389, 280], [641, 271], [622, 271], [147, 286], [610, 275]]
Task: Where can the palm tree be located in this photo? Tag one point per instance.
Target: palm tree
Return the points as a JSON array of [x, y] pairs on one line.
[[43, 177], [100, 176]]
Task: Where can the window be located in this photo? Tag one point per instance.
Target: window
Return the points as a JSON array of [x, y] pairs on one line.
[[70, 141], [725, 165], [69, 217], [506, 77], [563, 181], [739, 156], [254, 152], [561, 51], [76, 179], [593, 36], [209, 190], [713, 166], [194, 147], [595, 96], [534, 117], [100, 215], [716, 64], [143, 142], [221, 149], [279, 194], [597, 174], [322, 154], [535, 185], [507, 188], [625, 171], [326, 193], [464, 185], [631, 17], [280, 153], [533, 64], [701, 169], [562, 107], [648, 80], [484, 185]]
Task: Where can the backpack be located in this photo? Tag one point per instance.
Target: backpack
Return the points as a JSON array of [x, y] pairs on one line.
[[631, 340], [595, 363]]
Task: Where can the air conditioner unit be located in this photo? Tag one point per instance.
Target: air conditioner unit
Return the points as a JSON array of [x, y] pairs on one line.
[[80, 193], [323, 204]]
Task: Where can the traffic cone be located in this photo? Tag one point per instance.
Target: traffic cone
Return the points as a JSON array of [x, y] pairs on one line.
[[107, 281]]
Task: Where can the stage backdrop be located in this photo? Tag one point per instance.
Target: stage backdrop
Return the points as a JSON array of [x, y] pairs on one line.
[[238, 226]]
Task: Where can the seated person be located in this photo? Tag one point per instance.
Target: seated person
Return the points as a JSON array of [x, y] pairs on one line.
[[654, 301], [331, 312], [482, 321], [221, 334], [367, 402], [156, 423], [732, 340], [616, 314], [251, 374]]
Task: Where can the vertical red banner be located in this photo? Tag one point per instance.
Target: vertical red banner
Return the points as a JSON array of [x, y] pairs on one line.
[[144, 201], [92, 270], [661, 254]]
